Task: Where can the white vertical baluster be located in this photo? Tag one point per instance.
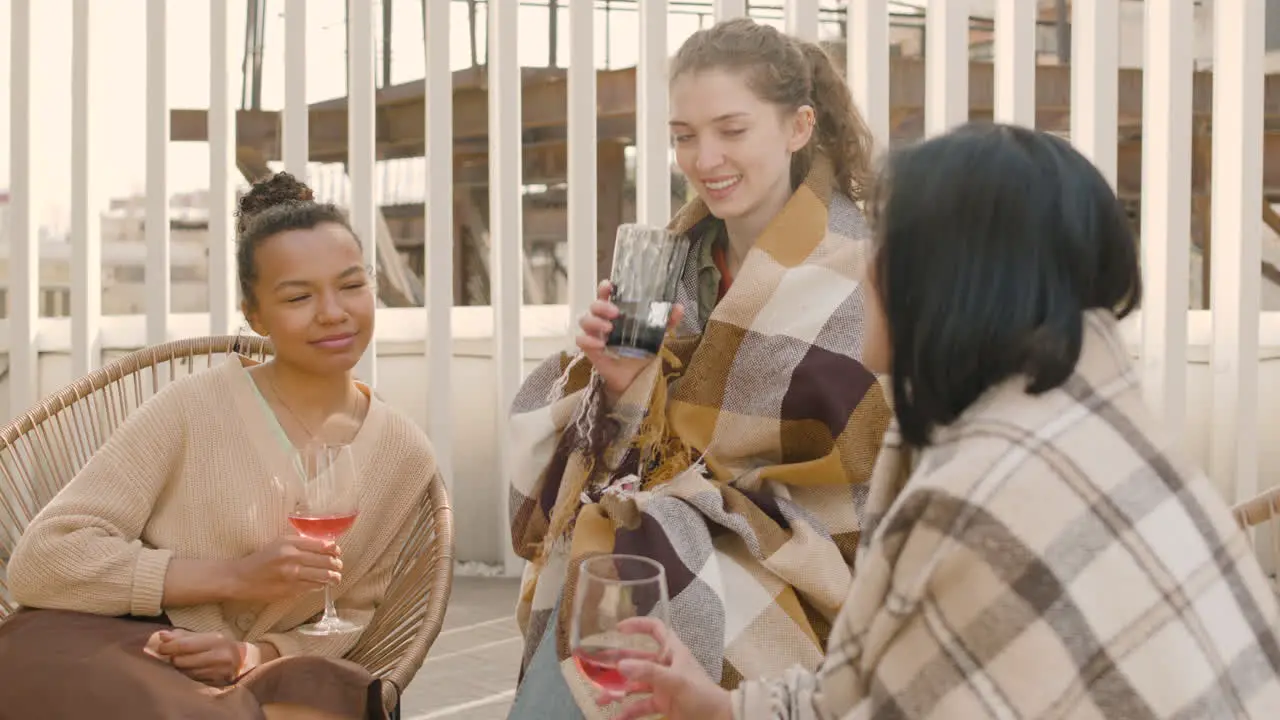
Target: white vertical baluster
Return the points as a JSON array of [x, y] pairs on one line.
[[946, 60], [1095, 57], [223, 72], [86, 235], [1236, 251], [24, 248], [802, 18], [438, 241], [296, 126], [1166, 208], [729, 9], [653, 167], [506, 235], [582, 159], [867, 64], [1015, 50], [361, 52], [157, 232]]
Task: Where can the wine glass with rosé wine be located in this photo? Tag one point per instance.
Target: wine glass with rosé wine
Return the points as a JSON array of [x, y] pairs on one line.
[[326, 507], [611, 590]]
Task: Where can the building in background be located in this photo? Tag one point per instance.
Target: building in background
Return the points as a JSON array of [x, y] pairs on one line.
[[124, 259]]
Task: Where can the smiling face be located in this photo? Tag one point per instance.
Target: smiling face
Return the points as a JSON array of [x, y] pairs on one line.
[[313, 297], [734, 147]]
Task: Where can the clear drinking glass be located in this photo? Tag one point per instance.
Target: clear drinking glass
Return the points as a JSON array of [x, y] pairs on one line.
[[613, 589], [326, 507], [647, 264]]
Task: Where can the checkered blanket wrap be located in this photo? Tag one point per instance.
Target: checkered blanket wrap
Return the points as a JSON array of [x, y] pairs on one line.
[[1050, 557], [758, 533]]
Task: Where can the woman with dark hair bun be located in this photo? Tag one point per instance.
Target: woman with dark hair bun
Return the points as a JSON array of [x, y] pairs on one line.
[[1034, 547], [164, 581]]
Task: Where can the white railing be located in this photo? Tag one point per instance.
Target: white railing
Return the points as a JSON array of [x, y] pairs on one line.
[[1233, 450], [1166, 207], [222, 150], [438, 329], [1095, 57], [505, 227]]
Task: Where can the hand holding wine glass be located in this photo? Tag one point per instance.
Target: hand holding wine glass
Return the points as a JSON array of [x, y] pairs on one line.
[[677, 686], [326, 507], [289, 566], [612, 590]]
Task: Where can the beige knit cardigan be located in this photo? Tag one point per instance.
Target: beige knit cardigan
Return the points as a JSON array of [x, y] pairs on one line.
[[195, 472]]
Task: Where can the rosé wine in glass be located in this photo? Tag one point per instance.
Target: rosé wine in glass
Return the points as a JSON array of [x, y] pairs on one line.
[[611, 590], [322, 527], [327, 505]]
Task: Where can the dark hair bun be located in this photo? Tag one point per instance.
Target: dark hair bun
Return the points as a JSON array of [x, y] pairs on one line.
[[279, 189], [279, 204]]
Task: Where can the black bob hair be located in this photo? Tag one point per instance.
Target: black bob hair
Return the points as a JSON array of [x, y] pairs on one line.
[[991, 243]]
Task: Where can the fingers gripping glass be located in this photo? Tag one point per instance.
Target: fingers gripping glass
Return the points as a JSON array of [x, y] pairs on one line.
[[647, 264], [326, 507], [615, 592]]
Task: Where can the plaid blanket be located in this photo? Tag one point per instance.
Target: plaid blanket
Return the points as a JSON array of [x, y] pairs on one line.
[[738, 459], [1051, 557]]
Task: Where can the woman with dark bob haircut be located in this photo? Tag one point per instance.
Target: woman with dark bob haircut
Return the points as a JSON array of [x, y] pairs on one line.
[[1035, 547]]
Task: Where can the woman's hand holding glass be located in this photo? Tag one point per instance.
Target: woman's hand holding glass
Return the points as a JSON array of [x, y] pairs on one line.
[[622, 645], [617, 372], [678, 687], [325, 505], [289, 566]]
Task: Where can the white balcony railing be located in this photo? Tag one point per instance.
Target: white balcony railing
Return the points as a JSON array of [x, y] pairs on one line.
[[431, 354]]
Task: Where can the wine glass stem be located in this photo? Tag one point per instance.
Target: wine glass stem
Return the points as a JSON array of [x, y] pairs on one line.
[[330, 612]]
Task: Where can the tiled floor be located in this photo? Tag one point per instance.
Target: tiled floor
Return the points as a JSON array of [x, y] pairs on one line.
[[470, 673]]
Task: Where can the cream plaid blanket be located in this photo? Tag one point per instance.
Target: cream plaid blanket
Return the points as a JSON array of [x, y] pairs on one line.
[[1049, 558], [739, 461]]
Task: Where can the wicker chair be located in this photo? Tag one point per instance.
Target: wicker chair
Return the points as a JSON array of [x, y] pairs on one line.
[[1263, 509], [45, 447]]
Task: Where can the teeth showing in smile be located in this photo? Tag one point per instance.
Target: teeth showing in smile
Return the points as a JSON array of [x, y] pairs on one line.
[[722, 184]]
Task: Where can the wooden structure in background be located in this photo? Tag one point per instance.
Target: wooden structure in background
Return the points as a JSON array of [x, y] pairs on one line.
[[401, 122]]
